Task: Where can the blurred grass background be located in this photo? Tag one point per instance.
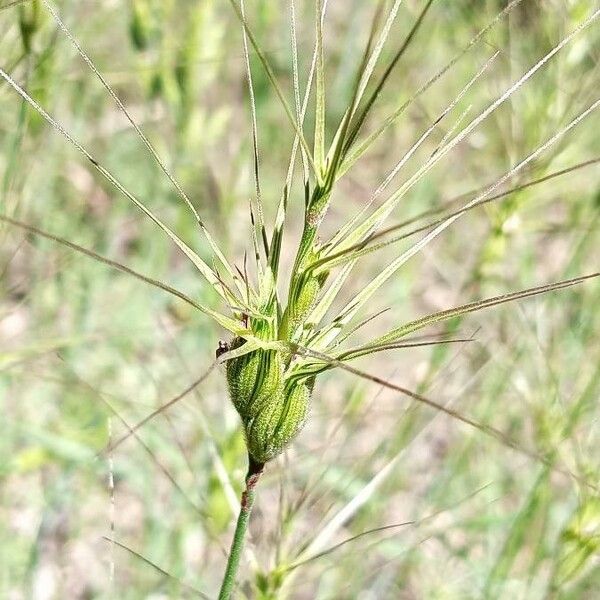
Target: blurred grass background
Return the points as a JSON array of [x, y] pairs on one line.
[[84, 349]]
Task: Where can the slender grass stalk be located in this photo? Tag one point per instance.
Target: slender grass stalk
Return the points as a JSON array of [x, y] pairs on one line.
[[237, 544]]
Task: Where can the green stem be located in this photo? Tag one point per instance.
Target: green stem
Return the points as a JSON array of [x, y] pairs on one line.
[[233, 562]]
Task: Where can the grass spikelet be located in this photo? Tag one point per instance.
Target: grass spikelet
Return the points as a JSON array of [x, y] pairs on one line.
[[317, 283]]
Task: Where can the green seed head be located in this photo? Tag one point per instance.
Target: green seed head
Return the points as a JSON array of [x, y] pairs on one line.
[[272, 409]]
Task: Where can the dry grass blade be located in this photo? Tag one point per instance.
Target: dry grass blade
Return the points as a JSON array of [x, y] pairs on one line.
[[160, 570], [319, 149], [226, 322], [357, 501], [345, 231], [100, 396], [358, 536], [343, 516], [13, 4], [154, 458], [206, 271], [348, 312], [357, 126], [446, 205], [484, 428], [260, 220], [141, 135], [374, 58], [372, 138], [271, 76], [132, 430], [444, 315]]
